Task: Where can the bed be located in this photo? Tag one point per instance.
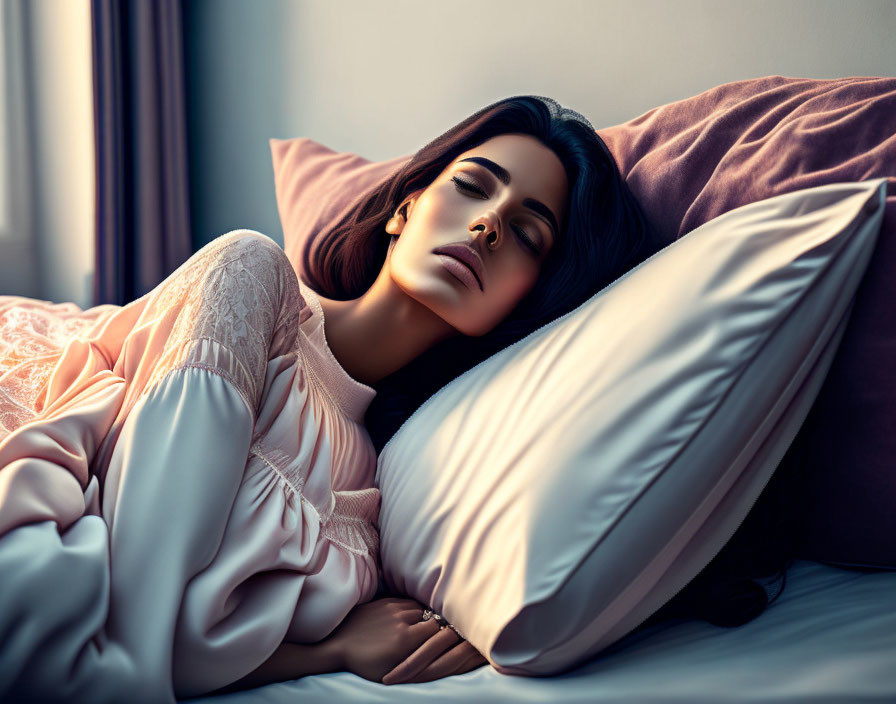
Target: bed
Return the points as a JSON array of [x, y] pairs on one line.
[[831, 634], [697, 166], [830, 637]]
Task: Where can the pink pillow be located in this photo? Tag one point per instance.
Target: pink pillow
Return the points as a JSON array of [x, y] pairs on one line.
[[316, 187]]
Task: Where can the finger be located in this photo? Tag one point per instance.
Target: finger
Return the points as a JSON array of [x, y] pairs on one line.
[[415, 615], [479, 659], [408, 610], [411, 616], [421, 631], [462, 658], [424, 631], [426, 653], [475, 662], [412, 606], [433, 644], [474, 657], [451, 662]]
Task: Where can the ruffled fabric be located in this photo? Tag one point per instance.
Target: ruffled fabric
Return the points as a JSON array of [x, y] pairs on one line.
[[209, 448]]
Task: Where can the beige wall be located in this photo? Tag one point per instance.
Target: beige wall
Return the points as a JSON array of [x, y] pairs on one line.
[[384, 77]]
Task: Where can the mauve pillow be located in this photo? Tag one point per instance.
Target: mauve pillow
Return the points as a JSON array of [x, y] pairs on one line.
[[553, 497], [691, 160], [688, 162], [316, 187]]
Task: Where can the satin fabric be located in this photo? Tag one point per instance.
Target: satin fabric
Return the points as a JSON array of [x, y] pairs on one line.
[[555, 496], [185, 482]]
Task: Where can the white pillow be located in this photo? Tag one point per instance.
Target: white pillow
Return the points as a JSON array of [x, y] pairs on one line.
[[553, 497]]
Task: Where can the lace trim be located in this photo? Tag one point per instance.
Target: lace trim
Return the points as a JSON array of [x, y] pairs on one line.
[[236, 299], [279, 462], [347, 393], [32, 339], [352, 523], [238, 292], [210, 355]]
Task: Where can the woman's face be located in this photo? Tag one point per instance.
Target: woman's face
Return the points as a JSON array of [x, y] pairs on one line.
[[510, 227]]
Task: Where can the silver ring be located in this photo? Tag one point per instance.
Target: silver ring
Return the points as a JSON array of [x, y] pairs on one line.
[[456, 631], [430, 614]]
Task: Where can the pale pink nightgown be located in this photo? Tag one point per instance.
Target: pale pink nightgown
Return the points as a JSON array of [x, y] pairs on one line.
[[185, 482]]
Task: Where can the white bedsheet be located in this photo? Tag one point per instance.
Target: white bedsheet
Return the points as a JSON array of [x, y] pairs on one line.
[[829, 637]]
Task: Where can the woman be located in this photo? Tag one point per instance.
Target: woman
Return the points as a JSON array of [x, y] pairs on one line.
[[186, 497]]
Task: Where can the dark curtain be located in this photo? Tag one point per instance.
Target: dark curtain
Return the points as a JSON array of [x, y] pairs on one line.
[[142, 194]]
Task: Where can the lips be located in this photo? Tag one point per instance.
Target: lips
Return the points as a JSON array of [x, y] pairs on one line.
[[465, 255]]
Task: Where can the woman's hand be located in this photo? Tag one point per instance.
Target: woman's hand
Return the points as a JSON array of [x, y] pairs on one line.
[[443, 655], [386, 637]]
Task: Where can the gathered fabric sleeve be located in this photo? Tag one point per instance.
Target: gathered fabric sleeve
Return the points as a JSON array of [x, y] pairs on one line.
[[89, 610], [171, 488], [230, 308], [95, 565]]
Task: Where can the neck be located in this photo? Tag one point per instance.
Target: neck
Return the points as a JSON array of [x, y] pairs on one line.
[[380, 332]]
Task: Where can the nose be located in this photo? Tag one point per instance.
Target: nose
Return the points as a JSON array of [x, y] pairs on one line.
[[485, 226]]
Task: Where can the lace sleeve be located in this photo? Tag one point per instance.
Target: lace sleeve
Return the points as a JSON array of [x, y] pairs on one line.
[[237, 304]]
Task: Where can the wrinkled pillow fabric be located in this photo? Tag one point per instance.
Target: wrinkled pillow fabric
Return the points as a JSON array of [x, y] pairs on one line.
[[553, 497], [689, 161]]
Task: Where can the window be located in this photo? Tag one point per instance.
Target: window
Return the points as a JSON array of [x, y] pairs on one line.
[[4, 127], [14, 173], [17, 248]]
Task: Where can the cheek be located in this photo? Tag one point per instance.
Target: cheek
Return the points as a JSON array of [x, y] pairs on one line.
[[442, 209], [506, 295], [517, 278]]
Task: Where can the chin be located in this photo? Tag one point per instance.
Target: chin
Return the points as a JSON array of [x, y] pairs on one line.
[[484, 327], [476, 332]]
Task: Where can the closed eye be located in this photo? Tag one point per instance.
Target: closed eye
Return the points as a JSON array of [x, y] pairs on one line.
[[473, 188]]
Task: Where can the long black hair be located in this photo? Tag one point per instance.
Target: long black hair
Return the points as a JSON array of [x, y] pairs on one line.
[[606, 234]]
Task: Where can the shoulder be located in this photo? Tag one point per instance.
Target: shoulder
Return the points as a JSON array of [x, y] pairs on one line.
[[253, 255], [252, 250]]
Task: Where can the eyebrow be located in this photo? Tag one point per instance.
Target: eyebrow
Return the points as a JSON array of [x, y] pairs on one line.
[[502, 175]]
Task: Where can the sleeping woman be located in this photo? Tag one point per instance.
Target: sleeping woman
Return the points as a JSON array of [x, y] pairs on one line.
[[186, 482]]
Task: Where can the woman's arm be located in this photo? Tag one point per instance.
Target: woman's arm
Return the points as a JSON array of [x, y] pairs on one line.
[[376, 638], [291, 661]]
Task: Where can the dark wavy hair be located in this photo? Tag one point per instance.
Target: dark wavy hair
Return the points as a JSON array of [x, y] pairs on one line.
[[606, 234]]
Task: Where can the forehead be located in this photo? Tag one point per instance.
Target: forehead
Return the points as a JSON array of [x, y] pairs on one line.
[[535, 170]]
